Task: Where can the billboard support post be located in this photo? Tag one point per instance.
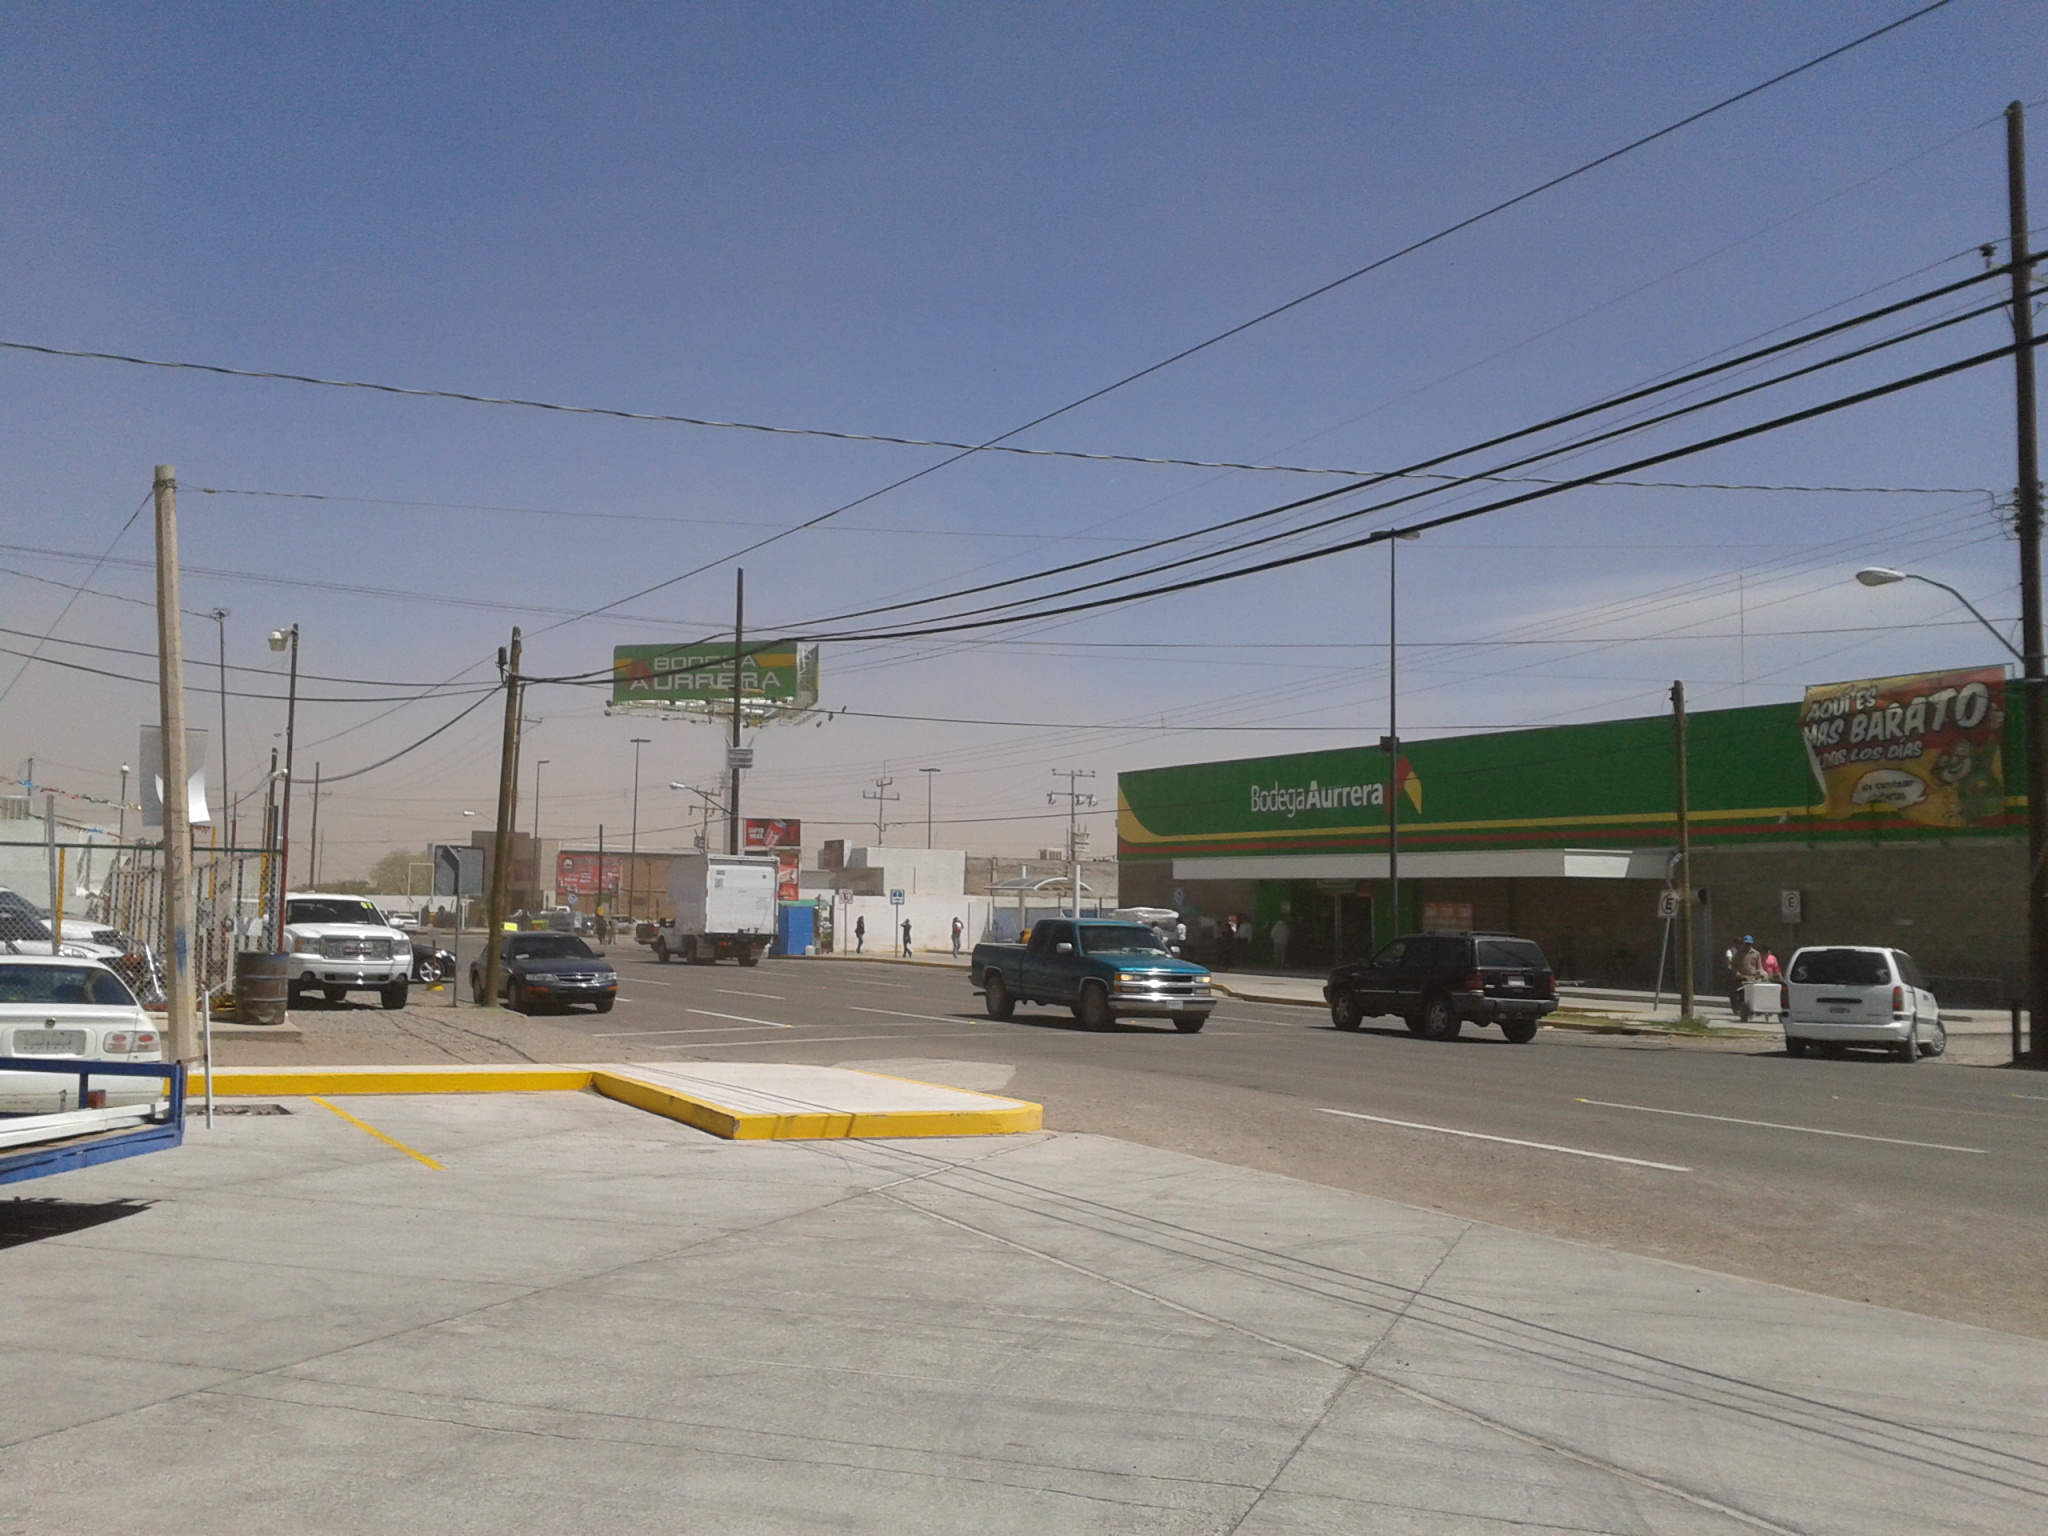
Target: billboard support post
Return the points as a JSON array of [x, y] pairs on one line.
[[732, 765]]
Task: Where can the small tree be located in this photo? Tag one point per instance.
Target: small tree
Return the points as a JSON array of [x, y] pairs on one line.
[[389, 875]]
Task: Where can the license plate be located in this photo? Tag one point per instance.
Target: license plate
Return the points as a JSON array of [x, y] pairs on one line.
[[1838, 1010], [1516, 981], [49, 1042]]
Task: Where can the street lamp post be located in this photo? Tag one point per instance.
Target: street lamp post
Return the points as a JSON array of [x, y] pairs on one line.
[[633, 849], [538, 764], [281, 639], [1885, 576], [929, 779]]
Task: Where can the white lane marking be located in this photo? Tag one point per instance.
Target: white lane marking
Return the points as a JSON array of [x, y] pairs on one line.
[[738, 1018], [2035, 1097], [719, 1045], [698, 1029], [1772, 1125], [1541, 1146], [894, 986], [773, 997], [898, 1013], [649, 981]]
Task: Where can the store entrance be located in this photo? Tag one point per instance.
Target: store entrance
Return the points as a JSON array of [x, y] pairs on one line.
[[1330, 926]]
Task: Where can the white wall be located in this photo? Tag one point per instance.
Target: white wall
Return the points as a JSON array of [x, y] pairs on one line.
[[914, 871], [931, 923]]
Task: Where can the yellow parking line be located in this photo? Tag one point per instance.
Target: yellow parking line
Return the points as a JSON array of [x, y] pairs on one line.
[[392, 1141]]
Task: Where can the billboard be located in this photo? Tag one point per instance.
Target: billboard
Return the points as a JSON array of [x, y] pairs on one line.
[[775, 675], [1927, 747], [578, 873], [763, 832]]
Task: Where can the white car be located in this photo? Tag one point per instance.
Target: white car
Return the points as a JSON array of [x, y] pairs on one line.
[[1841, 995], [342, 944], [56, 1008]]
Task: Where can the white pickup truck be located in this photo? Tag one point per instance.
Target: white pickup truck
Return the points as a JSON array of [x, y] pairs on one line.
[[343, 944]]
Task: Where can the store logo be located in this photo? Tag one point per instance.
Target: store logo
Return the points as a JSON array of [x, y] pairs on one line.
[[1290, 800]]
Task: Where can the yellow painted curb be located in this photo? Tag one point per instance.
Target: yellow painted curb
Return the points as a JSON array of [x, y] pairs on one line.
[[305, 1081], [1004, 1117], [735, 1125]]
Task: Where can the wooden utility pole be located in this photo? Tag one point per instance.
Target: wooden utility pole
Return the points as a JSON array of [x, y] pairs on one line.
[[501, 844], [732, 752], [1682, 800], [181, 1011], [313, 837], [2033, 713]]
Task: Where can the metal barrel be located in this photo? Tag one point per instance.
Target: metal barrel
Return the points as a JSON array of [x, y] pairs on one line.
[[262, 986]]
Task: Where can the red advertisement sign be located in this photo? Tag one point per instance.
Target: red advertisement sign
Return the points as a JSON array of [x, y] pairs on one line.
[[785, 873], [577, 873], [762, 832]]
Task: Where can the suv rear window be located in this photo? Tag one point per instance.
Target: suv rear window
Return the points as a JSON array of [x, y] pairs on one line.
[[1909, 973], [1511, 954], [1841, 968]]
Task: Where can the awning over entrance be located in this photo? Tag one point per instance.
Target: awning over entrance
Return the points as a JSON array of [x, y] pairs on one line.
[[1513, 863]]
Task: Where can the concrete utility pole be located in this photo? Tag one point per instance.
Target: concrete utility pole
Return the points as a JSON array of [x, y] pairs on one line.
[[181, 1017], [929, 776], [633, 853], [501, 843], [220, 619], [1076, 800], [279, 639], [2033, 713], [1682, 801], [732, 750], [1391, 742], [881, 796]]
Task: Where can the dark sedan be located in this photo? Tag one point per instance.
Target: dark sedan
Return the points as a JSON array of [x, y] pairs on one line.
[[545, 971]]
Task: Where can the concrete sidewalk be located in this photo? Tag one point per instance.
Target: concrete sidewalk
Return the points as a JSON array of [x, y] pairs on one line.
[[589, 1319]]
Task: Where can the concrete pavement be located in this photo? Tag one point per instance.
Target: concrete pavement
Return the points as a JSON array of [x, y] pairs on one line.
[[590, 1319]]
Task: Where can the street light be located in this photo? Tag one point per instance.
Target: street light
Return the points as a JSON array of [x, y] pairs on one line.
[[710, 804], [928, 780], [1885, 576], [282, 639]]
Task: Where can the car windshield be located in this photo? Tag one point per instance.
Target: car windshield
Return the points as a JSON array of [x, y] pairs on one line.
[[1841, 968], [1515, 954], [334, 909], [549, 946], [1124, 939], [41, 984]]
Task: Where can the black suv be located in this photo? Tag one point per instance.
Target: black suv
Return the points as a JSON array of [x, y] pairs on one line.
[[1438, 981]]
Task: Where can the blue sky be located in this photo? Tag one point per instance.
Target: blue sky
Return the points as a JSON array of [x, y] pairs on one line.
[[941, 222]]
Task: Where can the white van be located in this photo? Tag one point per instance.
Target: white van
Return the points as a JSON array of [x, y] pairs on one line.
[[1861, 995]]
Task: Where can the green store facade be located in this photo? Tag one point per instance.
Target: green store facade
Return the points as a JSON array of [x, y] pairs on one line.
[[1567, 835]]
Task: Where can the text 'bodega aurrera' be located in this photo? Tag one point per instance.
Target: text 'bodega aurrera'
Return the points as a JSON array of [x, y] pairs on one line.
[[1290, 800]]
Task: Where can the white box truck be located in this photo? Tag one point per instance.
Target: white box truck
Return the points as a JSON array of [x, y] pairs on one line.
[[724, 905]]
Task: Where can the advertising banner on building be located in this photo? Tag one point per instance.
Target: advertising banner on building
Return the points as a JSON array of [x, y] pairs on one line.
[[774, 674], [764, 832], [577, 874], [1926, 747], [785, 874]]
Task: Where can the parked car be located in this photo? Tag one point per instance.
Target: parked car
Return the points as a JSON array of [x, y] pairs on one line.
[[549, 971], [1437, 983], [59, 1008], [1860, 995], [342, 944], [1103, 971]]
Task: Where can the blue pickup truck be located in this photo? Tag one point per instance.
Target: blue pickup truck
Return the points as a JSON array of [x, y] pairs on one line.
[[1102, 970]]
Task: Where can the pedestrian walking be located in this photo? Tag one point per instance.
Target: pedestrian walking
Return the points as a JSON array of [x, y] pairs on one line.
[[1226, 940], [906, 938], [958, 928], [1281, 934], [1745, 964], [860, 933]]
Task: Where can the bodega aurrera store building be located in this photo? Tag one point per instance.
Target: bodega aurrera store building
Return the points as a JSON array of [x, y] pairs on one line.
[[1870, 812]]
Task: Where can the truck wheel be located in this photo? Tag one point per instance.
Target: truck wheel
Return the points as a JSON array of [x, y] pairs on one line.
[[750, 956], [661, 950], [1093, 1009], [1794, 1046], [1344, 1010], [1519, 1031], [1439, 1020], [996, 996], [392, 996], [1190, 1023], [335, 994]]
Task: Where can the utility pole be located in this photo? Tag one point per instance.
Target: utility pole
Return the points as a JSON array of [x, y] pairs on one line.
[[501, 843], [313, 836], [633, 853], [220, 619], [279, 639], [929, 774], [1682, 801], [881, 796], [1391, 742], [2033, 712], [733, 754], [121, 826], [181, 1007], [1077, 800]]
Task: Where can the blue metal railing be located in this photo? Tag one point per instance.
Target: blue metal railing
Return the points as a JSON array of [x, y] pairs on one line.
[[164, 1130]]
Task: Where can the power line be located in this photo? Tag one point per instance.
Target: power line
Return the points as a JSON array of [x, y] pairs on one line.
[[64, 612]]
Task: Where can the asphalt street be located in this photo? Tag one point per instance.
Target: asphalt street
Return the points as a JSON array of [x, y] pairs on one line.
[[1923, 1188]]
